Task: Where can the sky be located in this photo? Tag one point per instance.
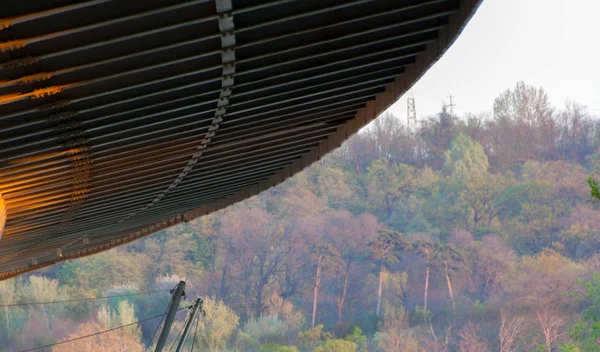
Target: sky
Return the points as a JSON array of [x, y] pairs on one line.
[[552, 44]]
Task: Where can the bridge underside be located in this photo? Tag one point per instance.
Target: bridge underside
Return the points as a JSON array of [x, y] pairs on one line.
[[119, 118]]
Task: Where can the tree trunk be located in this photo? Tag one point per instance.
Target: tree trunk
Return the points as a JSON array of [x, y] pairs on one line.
[[450, 286], [248, 305], [355, 159], [379, 291], [8, 333], [344, 290], [262, 282], [388, 206], [316, 292], [259, 300], [426, 287], [223, 290]]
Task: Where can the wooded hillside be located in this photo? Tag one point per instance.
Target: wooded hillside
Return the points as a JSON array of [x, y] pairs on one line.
[[471, 233]]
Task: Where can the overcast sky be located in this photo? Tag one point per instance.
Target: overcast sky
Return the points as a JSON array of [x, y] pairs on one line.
[[554, 44]]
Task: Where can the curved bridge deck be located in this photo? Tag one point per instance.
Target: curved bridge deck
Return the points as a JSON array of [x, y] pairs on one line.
[[119, 118]]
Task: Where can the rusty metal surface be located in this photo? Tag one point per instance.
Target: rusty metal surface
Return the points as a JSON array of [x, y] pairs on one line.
[[119, 118]]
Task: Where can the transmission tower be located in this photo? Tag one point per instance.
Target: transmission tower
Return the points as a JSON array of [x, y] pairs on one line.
[[451, 105], [411, 110]]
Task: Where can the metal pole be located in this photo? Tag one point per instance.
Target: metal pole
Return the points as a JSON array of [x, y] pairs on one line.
[[162, 339], [188, 326]]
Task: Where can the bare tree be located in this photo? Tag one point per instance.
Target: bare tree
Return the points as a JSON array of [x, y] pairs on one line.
[[552, 325], [42, 289], [470, 341], [510, 329]]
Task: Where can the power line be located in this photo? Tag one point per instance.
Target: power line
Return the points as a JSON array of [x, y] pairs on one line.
[[96, 334], [80, 299]]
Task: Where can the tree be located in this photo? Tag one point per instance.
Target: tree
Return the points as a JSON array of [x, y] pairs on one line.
[[336, 346], [106, 269], [541, 285], [523, 125], [217, 326], [395, 334], [358, 338], [350, 235], [312, 337], [585, 333], [326, 258], [472, 190], [127, 339], [452, 260], [426, 249], [9, 295], [510, 329], [466, 160], [385, 250], [388, 182], [42, 289], [254, 240], [594, 188], [272, 347], [470, 339], [435, 136]]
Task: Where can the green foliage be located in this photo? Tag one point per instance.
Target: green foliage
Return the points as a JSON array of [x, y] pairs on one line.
[[422, 315], [266, 329], [245, 342], [388, 184], [217, 325], [594, 188], [358, 338], [104, 270], [312, 337], [466, 160], [273, 347], [336, 346], [585, 333], [386, 249]]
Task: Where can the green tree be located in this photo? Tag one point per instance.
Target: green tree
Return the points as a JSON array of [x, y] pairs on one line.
[[273, 347], [312, 337], [388, 183], [385, 251], [585, 333], [217, 326], [466, 160], [594, 188], [451, 260], [358, 338], [473, 192], [336, 346]]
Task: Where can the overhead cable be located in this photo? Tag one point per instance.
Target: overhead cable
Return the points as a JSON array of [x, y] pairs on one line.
[[95, 334], [80, 299]]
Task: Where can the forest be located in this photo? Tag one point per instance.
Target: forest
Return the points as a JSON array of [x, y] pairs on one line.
[[467, 233]]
